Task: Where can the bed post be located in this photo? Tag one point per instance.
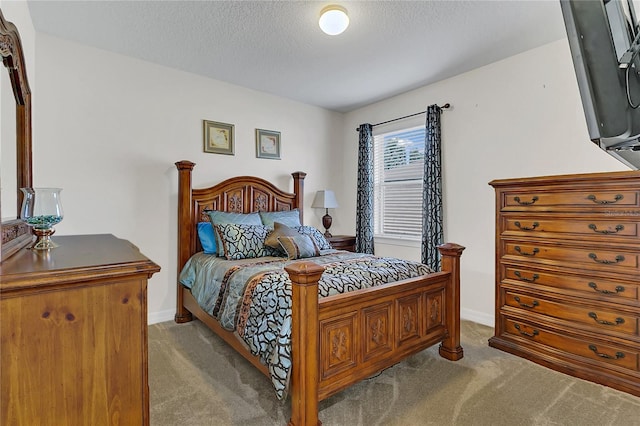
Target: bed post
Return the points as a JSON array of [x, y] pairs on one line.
[[298, 190], [450, 347], [185, 228], [305, 343]]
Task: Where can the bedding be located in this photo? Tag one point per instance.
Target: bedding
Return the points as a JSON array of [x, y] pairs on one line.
[[207, 237], [242, 241], [224, 218], [317, 236], [252, 297], [299, 246], [279, 230], [289, 218]]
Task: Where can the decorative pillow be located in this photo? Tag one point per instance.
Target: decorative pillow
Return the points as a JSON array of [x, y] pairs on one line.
[[207, 238], [279, 230], [299, 246], [286, 217], [242, 241], [316, 235], [224, 218]]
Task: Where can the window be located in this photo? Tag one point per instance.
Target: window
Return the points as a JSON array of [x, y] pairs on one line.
[[398, 170]]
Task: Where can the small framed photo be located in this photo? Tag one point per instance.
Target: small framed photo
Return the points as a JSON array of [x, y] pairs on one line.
[[218, 137], [267, 144]]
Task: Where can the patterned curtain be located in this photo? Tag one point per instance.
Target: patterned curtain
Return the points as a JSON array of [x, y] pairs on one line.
[[364, 207], [432, 224]]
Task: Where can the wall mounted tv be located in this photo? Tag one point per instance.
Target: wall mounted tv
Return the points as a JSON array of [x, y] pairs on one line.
[[604, 38]]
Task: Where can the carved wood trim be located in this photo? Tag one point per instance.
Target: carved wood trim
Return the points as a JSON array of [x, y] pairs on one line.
[[13, 60], [243, 194]]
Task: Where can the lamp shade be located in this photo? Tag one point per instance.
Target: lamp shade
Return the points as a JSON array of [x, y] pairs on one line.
[[325, 199]]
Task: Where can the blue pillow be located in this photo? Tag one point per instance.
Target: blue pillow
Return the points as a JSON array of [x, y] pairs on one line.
[[299, 246], [291, 218], [207, 237], [315, 235]]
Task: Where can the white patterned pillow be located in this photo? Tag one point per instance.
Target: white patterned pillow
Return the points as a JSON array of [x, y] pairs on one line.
[[242, 241], [316, 235]]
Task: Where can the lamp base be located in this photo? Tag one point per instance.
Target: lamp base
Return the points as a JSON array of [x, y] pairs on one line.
[[43, 239], [326, 222]]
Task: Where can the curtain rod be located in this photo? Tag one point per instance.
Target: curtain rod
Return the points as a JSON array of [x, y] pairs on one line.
[[445, 106]]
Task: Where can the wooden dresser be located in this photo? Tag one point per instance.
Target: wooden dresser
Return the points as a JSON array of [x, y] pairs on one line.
[[73, 330], [568, 274]]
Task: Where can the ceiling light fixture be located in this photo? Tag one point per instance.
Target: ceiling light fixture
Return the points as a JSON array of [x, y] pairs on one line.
[[333, 19]]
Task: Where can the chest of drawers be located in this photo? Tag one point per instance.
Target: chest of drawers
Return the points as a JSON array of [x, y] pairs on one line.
[[568, 274], [73, 334]]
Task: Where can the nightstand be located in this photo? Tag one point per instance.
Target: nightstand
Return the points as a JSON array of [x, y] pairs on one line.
[[343, 242]]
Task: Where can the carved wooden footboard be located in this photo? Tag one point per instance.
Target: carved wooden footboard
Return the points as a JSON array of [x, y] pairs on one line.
[[337, 340]]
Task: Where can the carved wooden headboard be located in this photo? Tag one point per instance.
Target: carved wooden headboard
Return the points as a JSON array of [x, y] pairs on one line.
[[242, 194]]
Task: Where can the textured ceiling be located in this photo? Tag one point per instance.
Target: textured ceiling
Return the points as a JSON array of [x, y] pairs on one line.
[[389, 48]]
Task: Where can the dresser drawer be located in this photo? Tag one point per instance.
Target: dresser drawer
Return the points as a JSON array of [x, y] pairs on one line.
[[595, 258], [597, 229], [571, 200], [592, 287], [606, 354], [600, 319]]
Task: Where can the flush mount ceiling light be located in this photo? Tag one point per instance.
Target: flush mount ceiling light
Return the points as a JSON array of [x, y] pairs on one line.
[[333, 19]]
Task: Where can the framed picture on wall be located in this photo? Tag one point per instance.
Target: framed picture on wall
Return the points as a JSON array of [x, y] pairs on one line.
[[218, 137], [267, 144]]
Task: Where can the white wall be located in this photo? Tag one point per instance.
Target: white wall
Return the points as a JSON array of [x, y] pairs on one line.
[[109, 129], [518, 117]]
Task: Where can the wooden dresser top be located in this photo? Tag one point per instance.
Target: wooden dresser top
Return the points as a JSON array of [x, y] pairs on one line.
[[78, 258]]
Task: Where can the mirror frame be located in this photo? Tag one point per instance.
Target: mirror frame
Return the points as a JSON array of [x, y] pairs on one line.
[[15, 233]]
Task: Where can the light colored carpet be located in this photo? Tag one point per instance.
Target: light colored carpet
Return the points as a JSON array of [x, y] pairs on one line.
[[197, 379]]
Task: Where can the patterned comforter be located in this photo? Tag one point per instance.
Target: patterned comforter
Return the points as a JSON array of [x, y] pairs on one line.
[[252, 297]]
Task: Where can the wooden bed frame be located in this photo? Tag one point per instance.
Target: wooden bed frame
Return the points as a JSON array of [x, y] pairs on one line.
[[336, 340]]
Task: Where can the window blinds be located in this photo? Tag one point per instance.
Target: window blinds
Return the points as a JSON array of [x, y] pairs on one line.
[[398, 171]]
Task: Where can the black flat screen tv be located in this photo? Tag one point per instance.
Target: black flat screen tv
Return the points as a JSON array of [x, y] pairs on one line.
[[604, 38]]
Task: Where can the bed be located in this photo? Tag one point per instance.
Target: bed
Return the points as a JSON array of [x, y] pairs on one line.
[[336, 340]]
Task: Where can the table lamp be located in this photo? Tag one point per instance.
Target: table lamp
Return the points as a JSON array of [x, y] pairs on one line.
[[325, 199]]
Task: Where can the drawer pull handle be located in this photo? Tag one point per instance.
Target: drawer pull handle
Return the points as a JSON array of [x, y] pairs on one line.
[[618, 355], [533, 226], [524, 333], [524, 253], [619, 289], [619, 258], [524, 305], [617, 198], [525, 279], [605, 322], [606, 231], [525, 203]]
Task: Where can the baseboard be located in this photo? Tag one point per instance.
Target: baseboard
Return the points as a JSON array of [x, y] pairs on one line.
[[479, 317], [465, 314], [161, 316]]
